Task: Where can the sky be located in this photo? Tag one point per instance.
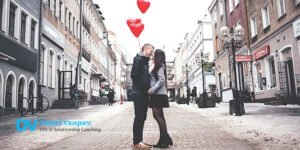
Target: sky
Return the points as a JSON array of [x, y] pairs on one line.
[[165, 23]]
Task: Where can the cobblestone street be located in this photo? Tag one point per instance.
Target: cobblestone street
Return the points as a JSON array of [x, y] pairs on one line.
[[189, 131]]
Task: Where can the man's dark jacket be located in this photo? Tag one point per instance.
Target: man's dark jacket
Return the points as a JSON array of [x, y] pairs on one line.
[[140, 75]]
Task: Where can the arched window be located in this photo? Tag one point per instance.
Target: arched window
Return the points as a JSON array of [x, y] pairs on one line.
[[66, 65], [42, 63], [72, 69], [51, 69]]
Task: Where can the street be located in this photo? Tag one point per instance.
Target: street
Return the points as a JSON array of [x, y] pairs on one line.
[[189, 131]]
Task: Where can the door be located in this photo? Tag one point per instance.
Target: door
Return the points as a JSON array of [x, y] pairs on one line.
[[291, 79], [220, 85]]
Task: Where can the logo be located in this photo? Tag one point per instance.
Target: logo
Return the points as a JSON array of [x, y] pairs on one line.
[[22, 124], [32, 125]]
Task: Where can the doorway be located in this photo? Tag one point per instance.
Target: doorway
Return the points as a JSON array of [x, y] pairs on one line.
[[21, 92], [9, 91], [220, 84]]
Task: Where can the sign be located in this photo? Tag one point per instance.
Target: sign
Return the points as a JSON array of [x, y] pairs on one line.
[[243, 58], [296, 27], [53, 33], [262, 53]]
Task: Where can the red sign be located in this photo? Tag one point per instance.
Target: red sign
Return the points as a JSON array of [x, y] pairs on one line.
[[262, 53], [243, 58]]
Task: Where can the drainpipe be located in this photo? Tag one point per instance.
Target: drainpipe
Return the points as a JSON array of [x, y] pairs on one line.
[[40, 95]]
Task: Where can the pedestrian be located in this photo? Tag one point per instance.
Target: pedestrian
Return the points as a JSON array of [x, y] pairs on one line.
[[110, 96], [140, 86], [159, 97], [194, 94], [188, 95]]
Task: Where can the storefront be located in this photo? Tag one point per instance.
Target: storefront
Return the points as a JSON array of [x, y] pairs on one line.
[[274, 64]]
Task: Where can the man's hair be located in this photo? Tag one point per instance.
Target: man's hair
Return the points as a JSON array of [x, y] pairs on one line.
[[147, 45]]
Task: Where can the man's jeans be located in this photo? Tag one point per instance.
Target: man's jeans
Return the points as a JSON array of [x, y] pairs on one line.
[[140, 111]]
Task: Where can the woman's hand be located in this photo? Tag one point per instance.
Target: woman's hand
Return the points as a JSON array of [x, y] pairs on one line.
[[150, 92]]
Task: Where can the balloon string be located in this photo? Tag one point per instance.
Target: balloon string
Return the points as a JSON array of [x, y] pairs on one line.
[[139, 42]]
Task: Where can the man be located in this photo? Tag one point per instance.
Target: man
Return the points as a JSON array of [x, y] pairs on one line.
[[140, 86]]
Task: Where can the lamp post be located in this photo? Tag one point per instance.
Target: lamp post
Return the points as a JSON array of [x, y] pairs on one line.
[[233, 39], [203, 81]]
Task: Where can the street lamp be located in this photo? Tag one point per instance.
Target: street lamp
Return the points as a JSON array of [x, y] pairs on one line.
[[187, 69], [233, 38]]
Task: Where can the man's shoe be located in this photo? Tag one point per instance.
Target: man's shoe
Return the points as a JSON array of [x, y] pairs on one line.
[[141, 145]]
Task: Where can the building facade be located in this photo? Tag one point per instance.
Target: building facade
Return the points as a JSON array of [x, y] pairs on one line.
[[275, 47], [63, 39], [19, 31], [120, 67], [221, 56], [200, 46]]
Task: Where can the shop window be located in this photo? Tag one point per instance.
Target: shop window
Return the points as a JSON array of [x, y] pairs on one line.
[[50, 69], [272, 72], [259, 77], [42, 63]]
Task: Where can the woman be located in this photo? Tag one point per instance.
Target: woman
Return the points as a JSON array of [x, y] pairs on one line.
[[158, 96]]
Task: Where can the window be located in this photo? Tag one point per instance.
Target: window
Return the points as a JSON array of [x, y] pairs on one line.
[[23, 27], [253, 27], [70, 21], [77, 31], [50, 69], [73, 26], [236, 2], [32, 35], [66, 65], [215, 16], [49, 4], [259, 77], [66, 14], [60, 9], [265, 17], [73, 75], [1, 9], [230, 6], [217, 45], [54, 7], [42, 62], [281, 7], [272, 73], [12, 21], [221, 7]]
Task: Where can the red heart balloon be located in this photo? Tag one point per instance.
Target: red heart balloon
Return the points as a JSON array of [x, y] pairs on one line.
[[133, 21], [143, 5], [136, 28]]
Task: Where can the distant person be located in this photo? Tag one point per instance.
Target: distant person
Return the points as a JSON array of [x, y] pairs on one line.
[[110, 96], [140, 86], [194, 94], [159, 97]]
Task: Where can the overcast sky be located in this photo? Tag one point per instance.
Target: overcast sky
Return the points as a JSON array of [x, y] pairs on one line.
[[166, 22]]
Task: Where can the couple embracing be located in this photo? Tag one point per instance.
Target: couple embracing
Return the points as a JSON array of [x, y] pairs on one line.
[[149, 89]]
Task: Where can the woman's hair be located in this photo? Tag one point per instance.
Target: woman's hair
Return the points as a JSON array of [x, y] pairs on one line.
[[159, 60]]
